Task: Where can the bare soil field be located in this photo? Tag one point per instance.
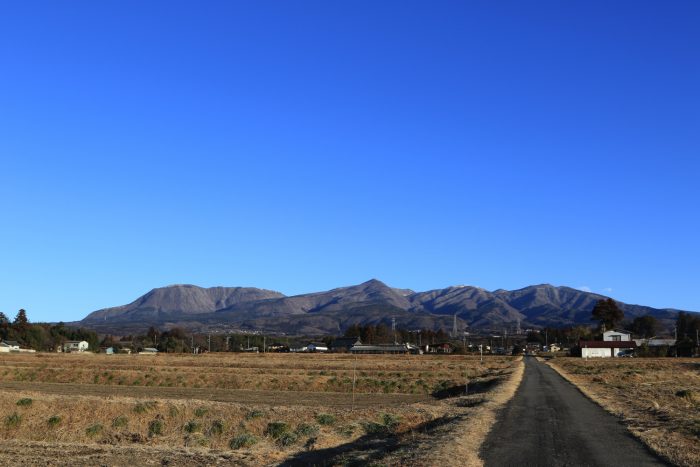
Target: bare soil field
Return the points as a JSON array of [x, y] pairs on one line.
[[657, 399], [243, 409]]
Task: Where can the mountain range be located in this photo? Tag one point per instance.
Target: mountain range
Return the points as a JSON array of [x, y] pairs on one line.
[[331, 312]]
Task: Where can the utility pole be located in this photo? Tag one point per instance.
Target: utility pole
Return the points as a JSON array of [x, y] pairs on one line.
[[227, 339], [192, 343], [209, 342], [264, 343], [354, 378], [393, 328]]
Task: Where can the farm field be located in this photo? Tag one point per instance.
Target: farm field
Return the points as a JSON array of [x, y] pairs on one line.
[[658, 399], [247, 409]]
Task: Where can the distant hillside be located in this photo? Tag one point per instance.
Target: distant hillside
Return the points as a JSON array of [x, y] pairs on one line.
[[331, 312]]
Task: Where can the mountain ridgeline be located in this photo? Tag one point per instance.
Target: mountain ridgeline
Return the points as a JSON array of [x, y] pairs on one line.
[[372, 302]]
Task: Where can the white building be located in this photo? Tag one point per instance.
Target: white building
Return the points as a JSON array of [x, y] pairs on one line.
[[9, 346], [75, 346], [606, 349], [615, 336], [317, 347]]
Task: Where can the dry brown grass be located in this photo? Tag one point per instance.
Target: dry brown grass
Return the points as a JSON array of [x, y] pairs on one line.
[[75, 404], [286, 372], [658, 399]]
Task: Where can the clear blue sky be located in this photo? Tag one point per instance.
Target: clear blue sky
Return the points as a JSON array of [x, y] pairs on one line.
[[300, 146]]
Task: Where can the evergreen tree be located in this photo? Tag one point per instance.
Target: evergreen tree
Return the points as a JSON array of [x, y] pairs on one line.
[[607, 313], [645, 326], [21, 320]]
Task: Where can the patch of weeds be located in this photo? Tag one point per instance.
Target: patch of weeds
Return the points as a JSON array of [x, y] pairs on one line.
[[12, 421], [244, 440], [120, 421], [25, 402], [155, 428], [471, 402], [325, 419], [304, 429], [374, 428], [53, 421], [254, 414], [216, 428], [94, 430], [174, 411], [200, 411], [287, 439], [391, 422], [276, 429], [442, 385], [346, 430], [192, 426], [685, 393], [143, 407], [202, 441]]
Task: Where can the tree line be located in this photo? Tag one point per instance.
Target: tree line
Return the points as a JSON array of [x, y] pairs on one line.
[[42, 336], [382, 334]]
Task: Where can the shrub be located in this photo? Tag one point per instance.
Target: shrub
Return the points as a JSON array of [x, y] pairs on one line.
[[192, 426], [94, 430], [304, 429], [54, 420], [685, 393], [325, 419], [120, 422], [200, 411], [216, 428], [244, 440], [276, 429], [254, 414], [12, 421], [155, 427], [24, 402]]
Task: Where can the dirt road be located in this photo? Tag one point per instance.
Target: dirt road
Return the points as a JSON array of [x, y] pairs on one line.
[[240, 396], [550, 423]]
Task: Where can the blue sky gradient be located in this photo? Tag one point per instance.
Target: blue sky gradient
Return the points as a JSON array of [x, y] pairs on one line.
[[300, 146]]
